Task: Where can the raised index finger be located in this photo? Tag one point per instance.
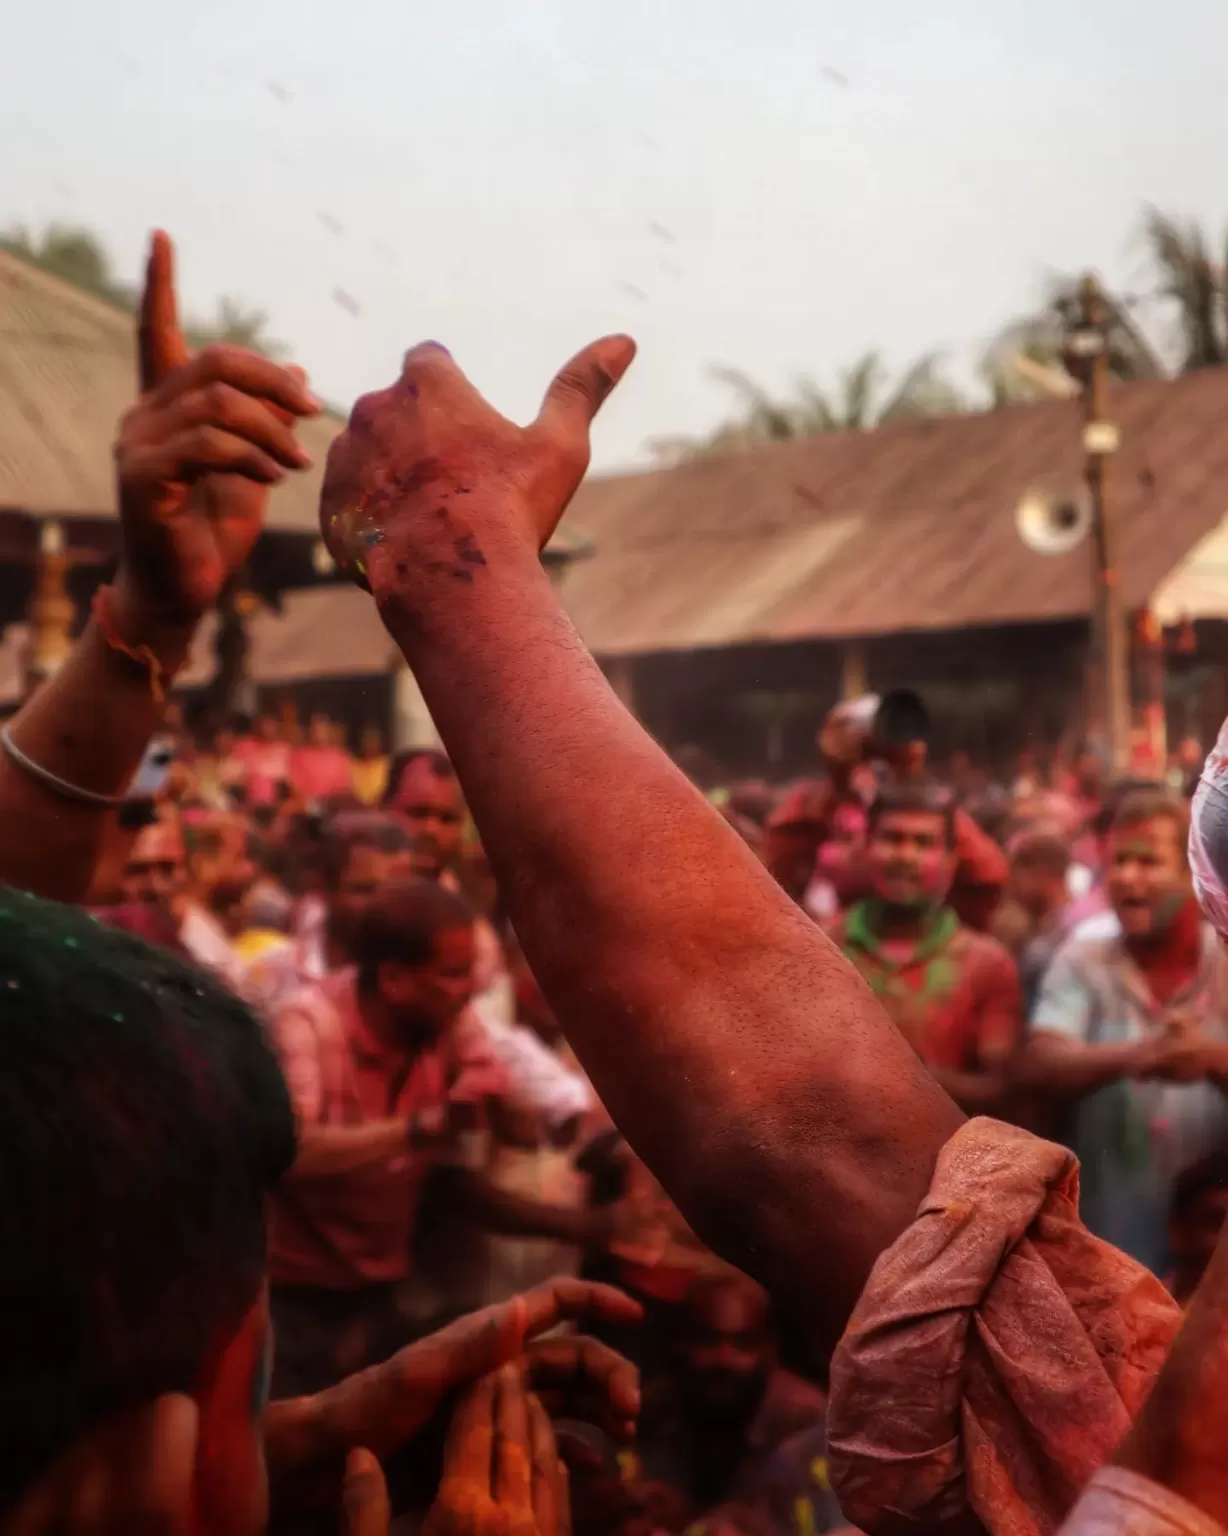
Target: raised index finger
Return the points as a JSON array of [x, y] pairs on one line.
[[160, 344]]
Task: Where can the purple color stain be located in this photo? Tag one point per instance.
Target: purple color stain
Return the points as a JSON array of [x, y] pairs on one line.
[[373, 536]]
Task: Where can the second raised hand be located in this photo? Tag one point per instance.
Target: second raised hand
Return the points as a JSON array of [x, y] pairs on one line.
[[428, 481]]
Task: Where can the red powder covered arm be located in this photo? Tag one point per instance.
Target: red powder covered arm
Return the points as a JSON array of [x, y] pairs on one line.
[[741, 1055]]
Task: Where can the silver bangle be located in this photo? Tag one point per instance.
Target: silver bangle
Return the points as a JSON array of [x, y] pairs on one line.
[[51, 781]]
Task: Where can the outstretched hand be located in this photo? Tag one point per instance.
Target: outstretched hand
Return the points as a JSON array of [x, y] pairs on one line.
[[383, 1408], [429, 482], [196, 457]]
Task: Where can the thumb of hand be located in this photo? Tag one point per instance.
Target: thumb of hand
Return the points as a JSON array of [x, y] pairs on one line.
[[581, 387]]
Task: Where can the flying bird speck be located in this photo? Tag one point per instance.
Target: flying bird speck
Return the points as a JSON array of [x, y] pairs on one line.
[[346, 301]]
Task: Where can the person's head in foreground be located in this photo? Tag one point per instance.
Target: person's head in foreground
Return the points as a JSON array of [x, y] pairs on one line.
[[425, 795], [413, 947], [910, 855], [726, 1350], [143, 1121], [1147, 874], [1196, 1216]]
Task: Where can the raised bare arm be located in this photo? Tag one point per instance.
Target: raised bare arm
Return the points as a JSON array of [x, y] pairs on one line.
[[740, 1054], [195, 459]]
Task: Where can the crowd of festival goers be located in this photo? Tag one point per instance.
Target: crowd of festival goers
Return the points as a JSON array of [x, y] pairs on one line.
[[526, 1138]]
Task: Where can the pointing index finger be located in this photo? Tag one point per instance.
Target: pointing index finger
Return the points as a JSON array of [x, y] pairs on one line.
[[161, 347]]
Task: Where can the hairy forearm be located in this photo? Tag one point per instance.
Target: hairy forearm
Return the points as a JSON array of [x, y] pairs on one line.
[[740, 1054], [88, 725], [325, 1149]]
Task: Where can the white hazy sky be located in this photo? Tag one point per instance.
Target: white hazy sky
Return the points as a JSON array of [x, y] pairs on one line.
[[492, 170]]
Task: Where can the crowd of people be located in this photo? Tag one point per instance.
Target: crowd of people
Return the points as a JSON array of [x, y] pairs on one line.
[[511, 1140]]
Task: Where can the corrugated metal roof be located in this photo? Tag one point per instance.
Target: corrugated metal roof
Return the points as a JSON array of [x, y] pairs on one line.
[[67, 374], [908, 528]]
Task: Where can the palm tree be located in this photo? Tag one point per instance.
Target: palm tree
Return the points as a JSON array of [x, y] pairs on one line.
[[78, 256], [73, 253], [237, 325], [1194, 284], [860, 401]]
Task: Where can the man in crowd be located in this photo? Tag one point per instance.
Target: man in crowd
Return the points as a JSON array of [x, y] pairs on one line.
[[953, 994], [1031, 922], [359, 852], [387, 1089], [1130, 1032], [175, 898], [727, 1412], [424, 794]]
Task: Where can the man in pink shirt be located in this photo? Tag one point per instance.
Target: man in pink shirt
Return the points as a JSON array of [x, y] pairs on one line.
[[388, 1088]]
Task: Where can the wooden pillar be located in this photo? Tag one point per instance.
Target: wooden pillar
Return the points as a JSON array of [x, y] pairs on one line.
[[52, 614], [852, 670], [1152, 676]]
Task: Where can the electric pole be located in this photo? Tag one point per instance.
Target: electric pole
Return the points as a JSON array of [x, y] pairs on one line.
[[1087, 358]]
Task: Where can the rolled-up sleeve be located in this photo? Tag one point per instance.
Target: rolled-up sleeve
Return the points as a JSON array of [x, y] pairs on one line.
[[998, 1353]]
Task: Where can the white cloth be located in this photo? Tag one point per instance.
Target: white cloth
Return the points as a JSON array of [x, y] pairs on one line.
[[1121, 1503]]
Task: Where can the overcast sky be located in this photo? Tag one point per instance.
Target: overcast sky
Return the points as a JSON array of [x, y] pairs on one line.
[[514, 177]]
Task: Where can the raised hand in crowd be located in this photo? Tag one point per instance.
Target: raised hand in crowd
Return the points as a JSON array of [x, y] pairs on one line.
[[383, 1408], [747, 1063], [195, 460], [502, 1473]]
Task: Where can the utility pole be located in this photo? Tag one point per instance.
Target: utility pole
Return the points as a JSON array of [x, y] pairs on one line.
[[1087, 359]]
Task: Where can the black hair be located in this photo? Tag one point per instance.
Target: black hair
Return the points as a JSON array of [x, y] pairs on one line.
[[1201, 1178], [914, 797], [438, 762], [143, 1120], [358, 829], [401, 922]]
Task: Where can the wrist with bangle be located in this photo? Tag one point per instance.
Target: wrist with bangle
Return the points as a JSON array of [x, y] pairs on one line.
[[159, 675]]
